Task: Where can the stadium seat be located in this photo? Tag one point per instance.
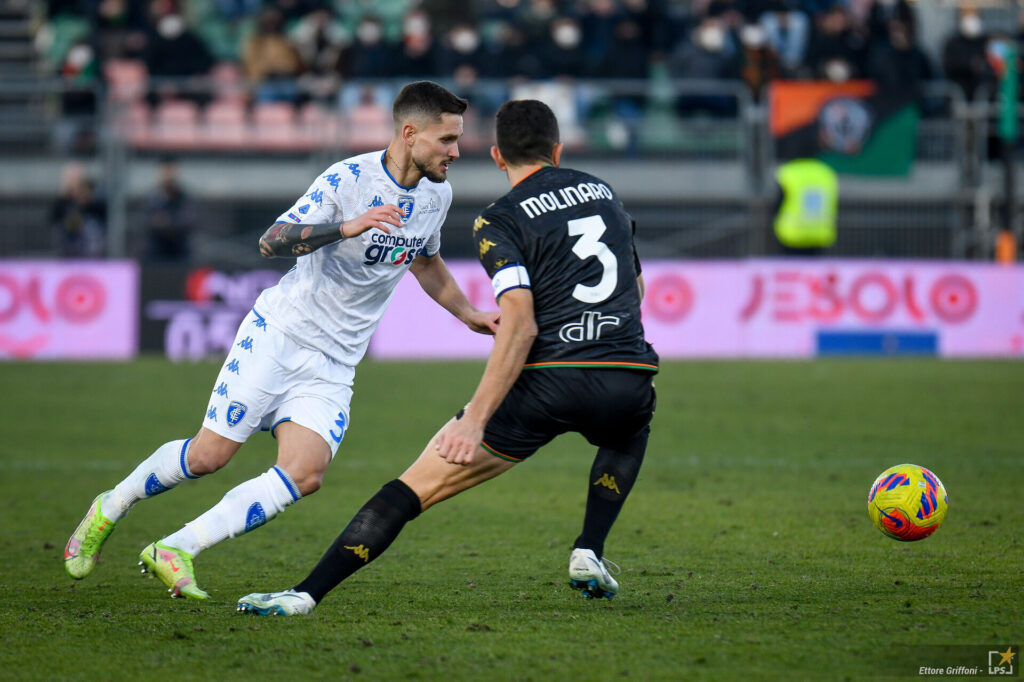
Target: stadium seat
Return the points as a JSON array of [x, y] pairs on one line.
[[131, 123], [228, 82], [176, 125], [126, 79], [367, 126], [275, 126], [225, 125], [318, 128]]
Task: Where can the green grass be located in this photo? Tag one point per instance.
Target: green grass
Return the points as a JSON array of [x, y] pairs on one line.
[[746, 548]]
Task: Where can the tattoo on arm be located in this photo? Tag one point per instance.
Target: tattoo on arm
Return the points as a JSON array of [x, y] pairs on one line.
[[284, 240]]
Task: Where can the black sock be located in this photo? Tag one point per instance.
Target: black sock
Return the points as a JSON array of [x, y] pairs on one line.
[[368, 534], [611, 478]]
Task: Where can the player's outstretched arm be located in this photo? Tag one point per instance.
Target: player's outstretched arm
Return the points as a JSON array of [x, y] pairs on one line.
[[284, 240], [458, 441], [435, 278]]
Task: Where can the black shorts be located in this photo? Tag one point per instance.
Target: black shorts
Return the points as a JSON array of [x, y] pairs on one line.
[[606, 406]]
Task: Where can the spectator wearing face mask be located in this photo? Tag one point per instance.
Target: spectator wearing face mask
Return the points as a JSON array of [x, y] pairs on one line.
[[370, 56], [174, 50], [559, 52], [419, 54], [963, 57], [759, 62], [707, 55], [321, 42], [787, 32], [838, 51]]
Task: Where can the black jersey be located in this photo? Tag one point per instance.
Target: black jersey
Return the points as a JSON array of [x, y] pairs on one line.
[[564, 235]]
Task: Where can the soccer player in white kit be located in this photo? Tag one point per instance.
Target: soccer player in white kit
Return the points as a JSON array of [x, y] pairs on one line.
[[359, 227]]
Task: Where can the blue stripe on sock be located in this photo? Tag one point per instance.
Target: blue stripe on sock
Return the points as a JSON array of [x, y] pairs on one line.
[[288, 484], [184, 460]]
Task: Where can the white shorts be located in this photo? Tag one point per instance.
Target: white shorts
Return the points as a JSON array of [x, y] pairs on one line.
[[268, 378]]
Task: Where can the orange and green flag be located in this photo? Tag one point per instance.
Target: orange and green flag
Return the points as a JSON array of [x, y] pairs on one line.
[[850, 126]]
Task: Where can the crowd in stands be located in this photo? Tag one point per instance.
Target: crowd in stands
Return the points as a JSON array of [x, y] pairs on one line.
[[297, 52]]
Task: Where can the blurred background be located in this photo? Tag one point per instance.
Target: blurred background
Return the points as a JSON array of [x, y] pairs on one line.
[[166, 135]]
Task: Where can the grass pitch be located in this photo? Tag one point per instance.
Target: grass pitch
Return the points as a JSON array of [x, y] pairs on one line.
[[746, 548]]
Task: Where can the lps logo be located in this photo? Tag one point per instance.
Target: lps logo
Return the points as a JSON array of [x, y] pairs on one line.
[[406, 202], [588, 328], [1001, 662]]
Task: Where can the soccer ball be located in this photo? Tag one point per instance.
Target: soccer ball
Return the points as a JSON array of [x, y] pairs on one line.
[[907, 502]]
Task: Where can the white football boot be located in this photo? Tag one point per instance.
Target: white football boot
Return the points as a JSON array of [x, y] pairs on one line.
[[590, 574], [287, 603]]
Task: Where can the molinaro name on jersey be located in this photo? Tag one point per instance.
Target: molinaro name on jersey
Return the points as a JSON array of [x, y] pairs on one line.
[[571, 195]]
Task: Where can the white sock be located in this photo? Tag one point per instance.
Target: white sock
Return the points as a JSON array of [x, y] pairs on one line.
[[161, 471], [243, 508]]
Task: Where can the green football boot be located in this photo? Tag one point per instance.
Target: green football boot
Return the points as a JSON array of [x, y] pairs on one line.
[[174, 568], [83, 549]]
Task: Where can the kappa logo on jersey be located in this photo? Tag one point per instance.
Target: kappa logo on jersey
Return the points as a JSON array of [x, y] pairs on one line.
[[222, 390], [479, 222], [255, 517], [317, 197], [354, 168], [361, 552], [392, 249], [485, 245], [236, 411], [377, 201], [588, 328], [333, 179], [211, 414], [608, 482], [406, 202], [432, 206]]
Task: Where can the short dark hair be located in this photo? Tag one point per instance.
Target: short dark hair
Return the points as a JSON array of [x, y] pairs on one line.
[[426, 100], [527, 131]]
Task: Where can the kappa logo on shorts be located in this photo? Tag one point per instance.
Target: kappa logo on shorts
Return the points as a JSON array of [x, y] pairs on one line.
[[236, 412]]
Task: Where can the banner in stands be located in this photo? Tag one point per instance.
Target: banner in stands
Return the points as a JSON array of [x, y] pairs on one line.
[[53, 310], [769, 308], [851, 126]]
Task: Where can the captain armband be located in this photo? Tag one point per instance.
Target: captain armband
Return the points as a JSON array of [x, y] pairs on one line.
[[511, 276]]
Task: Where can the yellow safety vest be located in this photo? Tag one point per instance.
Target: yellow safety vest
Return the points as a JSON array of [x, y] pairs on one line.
[[810, 202]]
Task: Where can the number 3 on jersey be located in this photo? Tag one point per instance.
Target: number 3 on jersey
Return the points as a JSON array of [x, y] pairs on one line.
[[589, 231]]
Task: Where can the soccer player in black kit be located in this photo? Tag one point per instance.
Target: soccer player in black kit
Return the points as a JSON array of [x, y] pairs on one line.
[[569, 355]]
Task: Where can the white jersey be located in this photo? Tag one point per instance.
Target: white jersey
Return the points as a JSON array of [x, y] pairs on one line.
[[333, 298]]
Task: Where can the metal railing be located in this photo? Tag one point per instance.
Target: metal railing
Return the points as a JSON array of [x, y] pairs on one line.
[[694, 159]]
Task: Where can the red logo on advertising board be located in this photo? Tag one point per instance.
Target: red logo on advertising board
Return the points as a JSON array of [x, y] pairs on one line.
[[871, 297], [668, 298]]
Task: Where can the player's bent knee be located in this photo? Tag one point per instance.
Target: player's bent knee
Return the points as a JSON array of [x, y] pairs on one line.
[[309, 483], [209, 452]]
